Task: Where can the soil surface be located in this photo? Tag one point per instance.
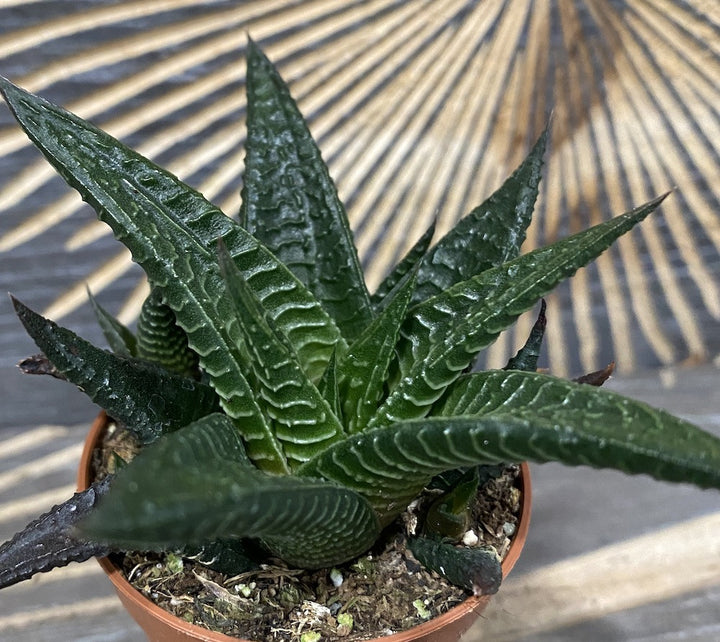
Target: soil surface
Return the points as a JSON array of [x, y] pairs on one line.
[[380, 593]]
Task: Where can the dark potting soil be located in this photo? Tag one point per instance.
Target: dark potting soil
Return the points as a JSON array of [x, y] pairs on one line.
[[383, 592]]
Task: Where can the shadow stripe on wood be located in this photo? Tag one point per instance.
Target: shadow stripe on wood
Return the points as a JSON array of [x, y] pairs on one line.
[[634, 100], [18, 444], [61, 612], [30, 506], [68, 456], [658, 566]]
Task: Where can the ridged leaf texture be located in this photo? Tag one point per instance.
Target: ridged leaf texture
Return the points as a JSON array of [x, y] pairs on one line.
[[571, 423], [290, 203], [209, 490], [444, 334], [160, 219], [149, 400], [476, 569], [301, 419], [51, 541], [490, 235], [363, 370], [161, 340], [547, 397], [298, 354], [328, 387], [172, 231]]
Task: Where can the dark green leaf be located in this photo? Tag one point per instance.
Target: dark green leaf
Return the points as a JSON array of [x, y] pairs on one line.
[[161, 340], [51, 541], [447, 480], [362, 371], [488, 236], [172, 231], [391, 465], [212, 437], [290, 202], [527, 357], [445, 334], [120, 339], [228, 556], [194, 485], [328, 387], [406, 265], [542, 395], [147, 399], [449, 515], [301, 419], [474, 569], [163, 221]]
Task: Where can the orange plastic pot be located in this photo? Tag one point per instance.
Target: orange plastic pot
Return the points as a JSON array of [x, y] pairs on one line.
[[161, 626]]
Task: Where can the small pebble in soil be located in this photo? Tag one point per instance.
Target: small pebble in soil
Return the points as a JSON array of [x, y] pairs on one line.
[[336, 577], [470, 538]]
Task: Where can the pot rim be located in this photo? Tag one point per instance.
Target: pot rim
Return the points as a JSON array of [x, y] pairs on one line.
[[128, 593]]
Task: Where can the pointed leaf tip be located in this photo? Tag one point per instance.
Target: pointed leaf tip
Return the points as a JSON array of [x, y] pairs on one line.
[[411, 259], [445, 333], [120, 384], [290, 203], [491, 234]]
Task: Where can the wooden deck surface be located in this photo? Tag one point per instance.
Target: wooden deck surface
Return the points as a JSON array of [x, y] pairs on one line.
[[609, 558]]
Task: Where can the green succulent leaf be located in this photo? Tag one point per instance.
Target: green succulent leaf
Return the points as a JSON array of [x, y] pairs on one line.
[[444, 334], [363, 370], [120, 339], [391, 465], [555, 399], [163, 222], [196, 485], [212, 437], [406, 265], [290, 203], [489, 235], [50, 541], [172, 233], [448, 516], [228, 556], [339, 407], [148, 399], [527, 357], [475, 569], [301, 419], [161, 340], [328, 387], [448, 480]]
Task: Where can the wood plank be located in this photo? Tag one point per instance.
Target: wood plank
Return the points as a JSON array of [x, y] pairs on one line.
[[656, 567]]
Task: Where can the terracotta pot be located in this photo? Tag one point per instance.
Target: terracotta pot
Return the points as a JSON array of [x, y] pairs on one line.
[[161, 626]]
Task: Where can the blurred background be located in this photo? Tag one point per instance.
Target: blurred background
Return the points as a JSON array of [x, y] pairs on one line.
[[421, 108]]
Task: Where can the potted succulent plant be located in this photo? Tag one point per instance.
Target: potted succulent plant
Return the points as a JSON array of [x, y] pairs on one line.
[[274, 409]]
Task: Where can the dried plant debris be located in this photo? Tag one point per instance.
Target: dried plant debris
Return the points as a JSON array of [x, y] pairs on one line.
[[599, 377], [39, 364]]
